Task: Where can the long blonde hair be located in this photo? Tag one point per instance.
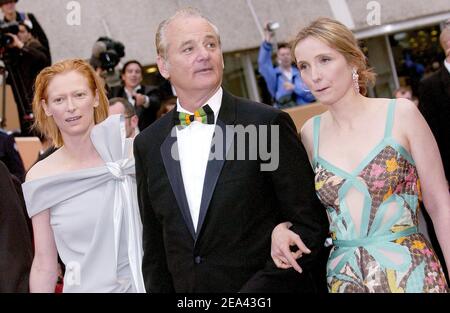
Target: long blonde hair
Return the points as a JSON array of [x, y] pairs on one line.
[[339, 37], [45, 124]]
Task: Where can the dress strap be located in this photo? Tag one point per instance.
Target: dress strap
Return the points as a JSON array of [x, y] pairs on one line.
[[316, 130], [376, 240], [390, 119]]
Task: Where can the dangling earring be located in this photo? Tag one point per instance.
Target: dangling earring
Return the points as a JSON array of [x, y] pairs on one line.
[[355, 78]]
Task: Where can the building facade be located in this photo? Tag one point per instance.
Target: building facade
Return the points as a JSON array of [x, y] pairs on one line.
[[400, 38]]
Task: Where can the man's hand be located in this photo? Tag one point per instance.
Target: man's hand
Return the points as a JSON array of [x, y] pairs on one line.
[[288, 86], [282, 240], [140, 99], [16, 43], [268, 35]]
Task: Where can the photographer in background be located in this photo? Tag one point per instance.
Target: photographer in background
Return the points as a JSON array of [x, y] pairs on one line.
[[106, 55], [24, 57], [145, 99], [10, 14], [283, 82]]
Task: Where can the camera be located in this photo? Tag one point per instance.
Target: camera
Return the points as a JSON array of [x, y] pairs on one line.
[[272, 26], [107, 53], [5, 29]]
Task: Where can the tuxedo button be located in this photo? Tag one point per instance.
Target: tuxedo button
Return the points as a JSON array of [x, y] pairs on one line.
[[198, 259]]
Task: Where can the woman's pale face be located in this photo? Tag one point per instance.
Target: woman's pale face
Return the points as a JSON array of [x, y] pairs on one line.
[[71, 103], [324, 70]]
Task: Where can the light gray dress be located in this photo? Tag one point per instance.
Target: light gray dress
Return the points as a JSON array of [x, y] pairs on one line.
[[95, 216]]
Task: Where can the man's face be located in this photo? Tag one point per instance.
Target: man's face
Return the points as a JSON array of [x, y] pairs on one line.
[[194, 58], [404, 94], [284, 57], [9, 7], [24, 35], [132, 76], [130, 121]]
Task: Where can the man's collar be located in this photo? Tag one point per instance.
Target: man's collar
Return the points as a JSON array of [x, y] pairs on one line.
[[214, 102], [135, 89], [294, 70]]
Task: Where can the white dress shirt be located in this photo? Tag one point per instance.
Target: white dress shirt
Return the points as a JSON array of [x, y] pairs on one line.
[[194, 144], [131, 99], [447, 65], [288, 74]]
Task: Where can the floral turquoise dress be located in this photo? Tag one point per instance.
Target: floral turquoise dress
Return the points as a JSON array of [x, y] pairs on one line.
[[373, 221]]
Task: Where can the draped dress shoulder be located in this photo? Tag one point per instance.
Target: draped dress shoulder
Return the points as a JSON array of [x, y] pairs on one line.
[[95, 217]]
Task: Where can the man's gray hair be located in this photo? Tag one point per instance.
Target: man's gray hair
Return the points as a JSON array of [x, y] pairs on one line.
[[161, 41]]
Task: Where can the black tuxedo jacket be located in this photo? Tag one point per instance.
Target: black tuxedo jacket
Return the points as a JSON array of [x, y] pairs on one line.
[[240, 206], [16, 248], [434, 103], [146, 115]]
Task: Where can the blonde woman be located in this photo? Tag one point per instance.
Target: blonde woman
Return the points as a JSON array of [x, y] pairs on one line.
[[372, 158]]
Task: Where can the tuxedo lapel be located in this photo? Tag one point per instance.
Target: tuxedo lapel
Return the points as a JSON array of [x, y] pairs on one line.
[[142, 90], [227, 117], [173, 171], [445, 78]]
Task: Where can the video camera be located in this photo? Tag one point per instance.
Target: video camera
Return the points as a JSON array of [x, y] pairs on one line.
[[272, 26], [106, 54], [5, 29]]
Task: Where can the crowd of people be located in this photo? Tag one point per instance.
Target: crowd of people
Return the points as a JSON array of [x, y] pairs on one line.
[[138, 193]]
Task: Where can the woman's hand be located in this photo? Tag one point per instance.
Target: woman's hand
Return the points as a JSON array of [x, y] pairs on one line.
[[282, 240]]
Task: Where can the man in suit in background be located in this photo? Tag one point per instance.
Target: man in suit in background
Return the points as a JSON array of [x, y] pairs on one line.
[[207, 221], [11, 156], [434, 104], [124, 107], [145, 99]]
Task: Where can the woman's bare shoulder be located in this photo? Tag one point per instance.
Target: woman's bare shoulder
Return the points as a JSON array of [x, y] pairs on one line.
[[308, 127], [405, 106], [47, 167], [307, 134], [378, 102]]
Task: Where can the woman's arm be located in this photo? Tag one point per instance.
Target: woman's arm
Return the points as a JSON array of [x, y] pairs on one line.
[[425, 153], [44, 270]]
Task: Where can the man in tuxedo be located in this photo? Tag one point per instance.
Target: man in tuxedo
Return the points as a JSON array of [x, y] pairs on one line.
[[16, 247], [10, 156], [434, 102], [207, 219], [145, 99]]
